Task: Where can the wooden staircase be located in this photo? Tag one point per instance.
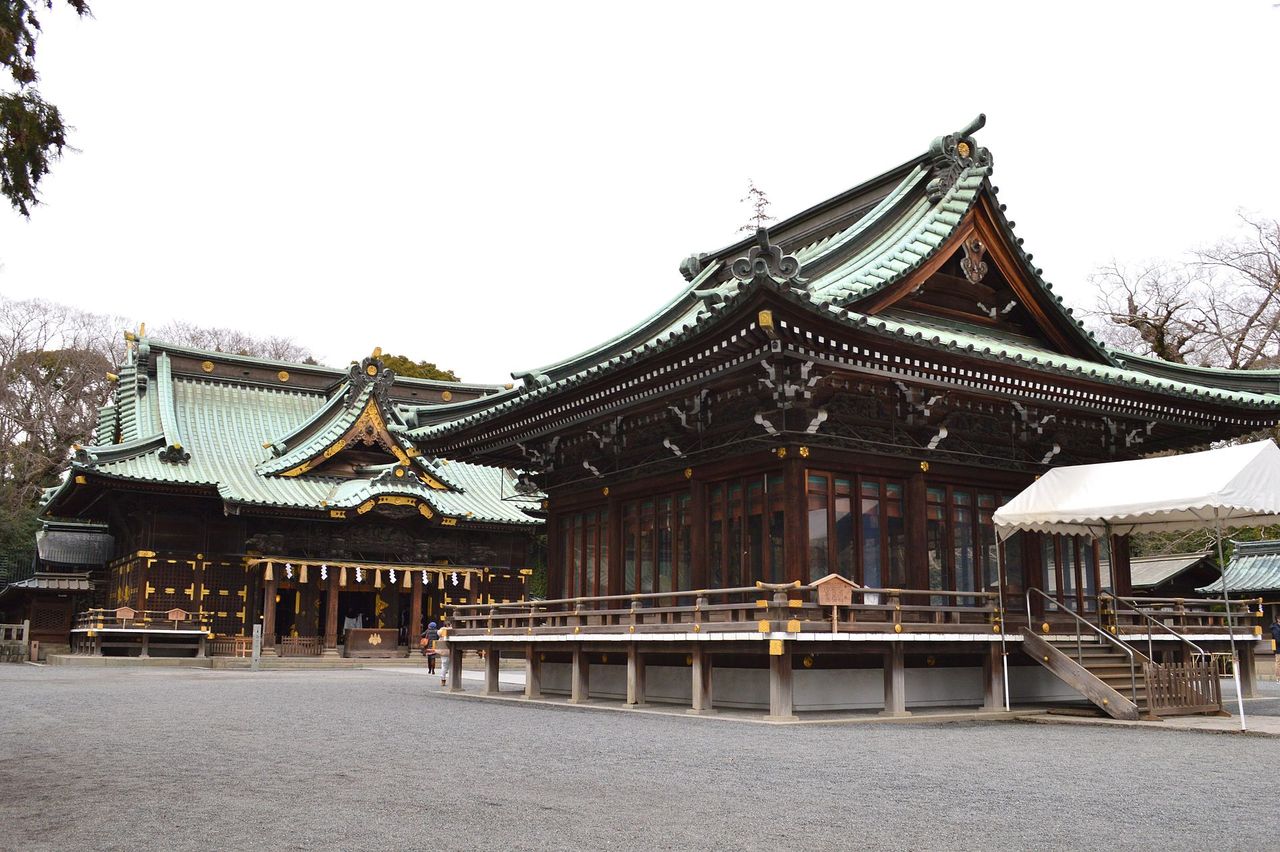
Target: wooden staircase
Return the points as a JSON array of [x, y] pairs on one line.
[[1118, 678], [1101, 673]]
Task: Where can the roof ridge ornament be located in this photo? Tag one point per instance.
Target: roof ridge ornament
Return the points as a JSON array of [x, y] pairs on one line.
[[951, 154], [765, 262]]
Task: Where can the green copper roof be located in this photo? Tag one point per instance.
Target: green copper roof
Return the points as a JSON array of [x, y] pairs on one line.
[[1254, 567], [220, 426], [910, 214]]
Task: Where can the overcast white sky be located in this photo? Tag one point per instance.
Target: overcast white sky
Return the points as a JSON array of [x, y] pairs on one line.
[[495, 186]]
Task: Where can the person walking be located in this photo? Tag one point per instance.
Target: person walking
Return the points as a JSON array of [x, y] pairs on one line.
[[1275, 633], [445, 652], [429, 638]]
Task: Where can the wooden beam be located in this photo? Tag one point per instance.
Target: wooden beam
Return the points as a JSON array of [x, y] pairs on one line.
[[700, 672], [635, 676], [992, 679], [795, 522], [781, 688], [269, 589], [415, 609], [895, 681], [579, 676], [491, 660], [532, 672]]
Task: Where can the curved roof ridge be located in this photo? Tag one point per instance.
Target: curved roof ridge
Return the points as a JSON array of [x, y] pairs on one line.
[[628, 339], [174, 451]]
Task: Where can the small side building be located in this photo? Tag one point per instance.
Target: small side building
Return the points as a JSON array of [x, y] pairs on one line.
[[1176, 575], [245, 491]]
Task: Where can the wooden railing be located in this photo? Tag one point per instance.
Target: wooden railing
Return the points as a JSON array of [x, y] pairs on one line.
[[231, 646], [1195, 614], [125, 618], [299, 646], [1190, 687], [785, 606], [15, 633]]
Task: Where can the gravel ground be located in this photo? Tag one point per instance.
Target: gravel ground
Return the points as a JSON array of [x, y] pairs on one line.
[[149, 759]]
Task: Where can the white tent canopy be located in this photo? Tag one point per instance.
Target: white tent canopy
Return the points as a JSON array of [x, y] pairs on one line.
[[1232, 486]]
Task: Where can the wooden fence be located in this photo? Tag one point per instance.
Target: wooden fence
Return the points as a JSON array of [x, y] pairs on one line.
[[1191, 687]]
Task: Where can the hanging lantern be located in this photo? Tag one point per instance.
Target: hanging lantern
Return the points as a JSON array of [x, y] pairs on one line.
[[288, 571], [393, 576], [342, 576], [324, 572], [266, 575], [377, 578], [302, 576]]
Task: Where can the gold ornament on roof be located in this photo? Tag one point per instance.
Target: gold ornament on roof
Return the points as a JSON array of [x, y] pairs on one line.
[[962, 149], [207, 366], [283, 375], [446, 395]]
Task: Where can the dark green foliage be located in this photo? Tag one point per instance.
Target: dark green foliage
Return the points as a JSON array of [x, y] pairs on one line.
[[17, 543], [417, 369], [32, 132]]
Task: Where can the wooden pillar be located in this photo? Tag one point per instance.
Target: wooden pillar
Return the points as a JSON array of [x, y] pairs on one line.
[[781, 687], [415, 609], [917, 532], [1248, 670], [700, 672], [992, 679], [269, 590], [331, 615], [635, 676], [532, 672], [895, 681], [555, 558], [795, 523], [197, 585], [146, 647], [614, 534], [491, 660], [579, 676], [698, 532]]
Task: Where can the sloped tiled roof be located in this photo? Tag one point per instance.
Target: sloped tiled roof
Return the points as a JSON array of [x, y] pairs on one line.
[[1254, 567], [1147, 572], [907, 221], [228, 432]]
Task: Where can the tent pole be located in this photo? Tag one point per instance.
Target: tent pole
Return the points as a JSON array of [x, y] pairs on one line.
[[1004, 649], [1231, 636]]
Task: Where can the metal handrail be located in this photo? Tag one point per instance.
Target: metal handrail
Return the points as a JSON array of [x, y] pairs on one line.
[[1123, 646], [1196, 649]]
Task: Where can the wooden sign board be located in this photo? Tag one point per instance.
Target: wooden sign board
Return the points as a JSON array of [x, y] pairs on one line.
[[834, 590], [176, 614], [126, 613]]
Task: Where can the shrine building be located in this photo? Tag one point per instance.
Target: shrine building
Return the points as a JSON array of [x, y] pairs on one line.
[[776, 492], [240, 491]]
